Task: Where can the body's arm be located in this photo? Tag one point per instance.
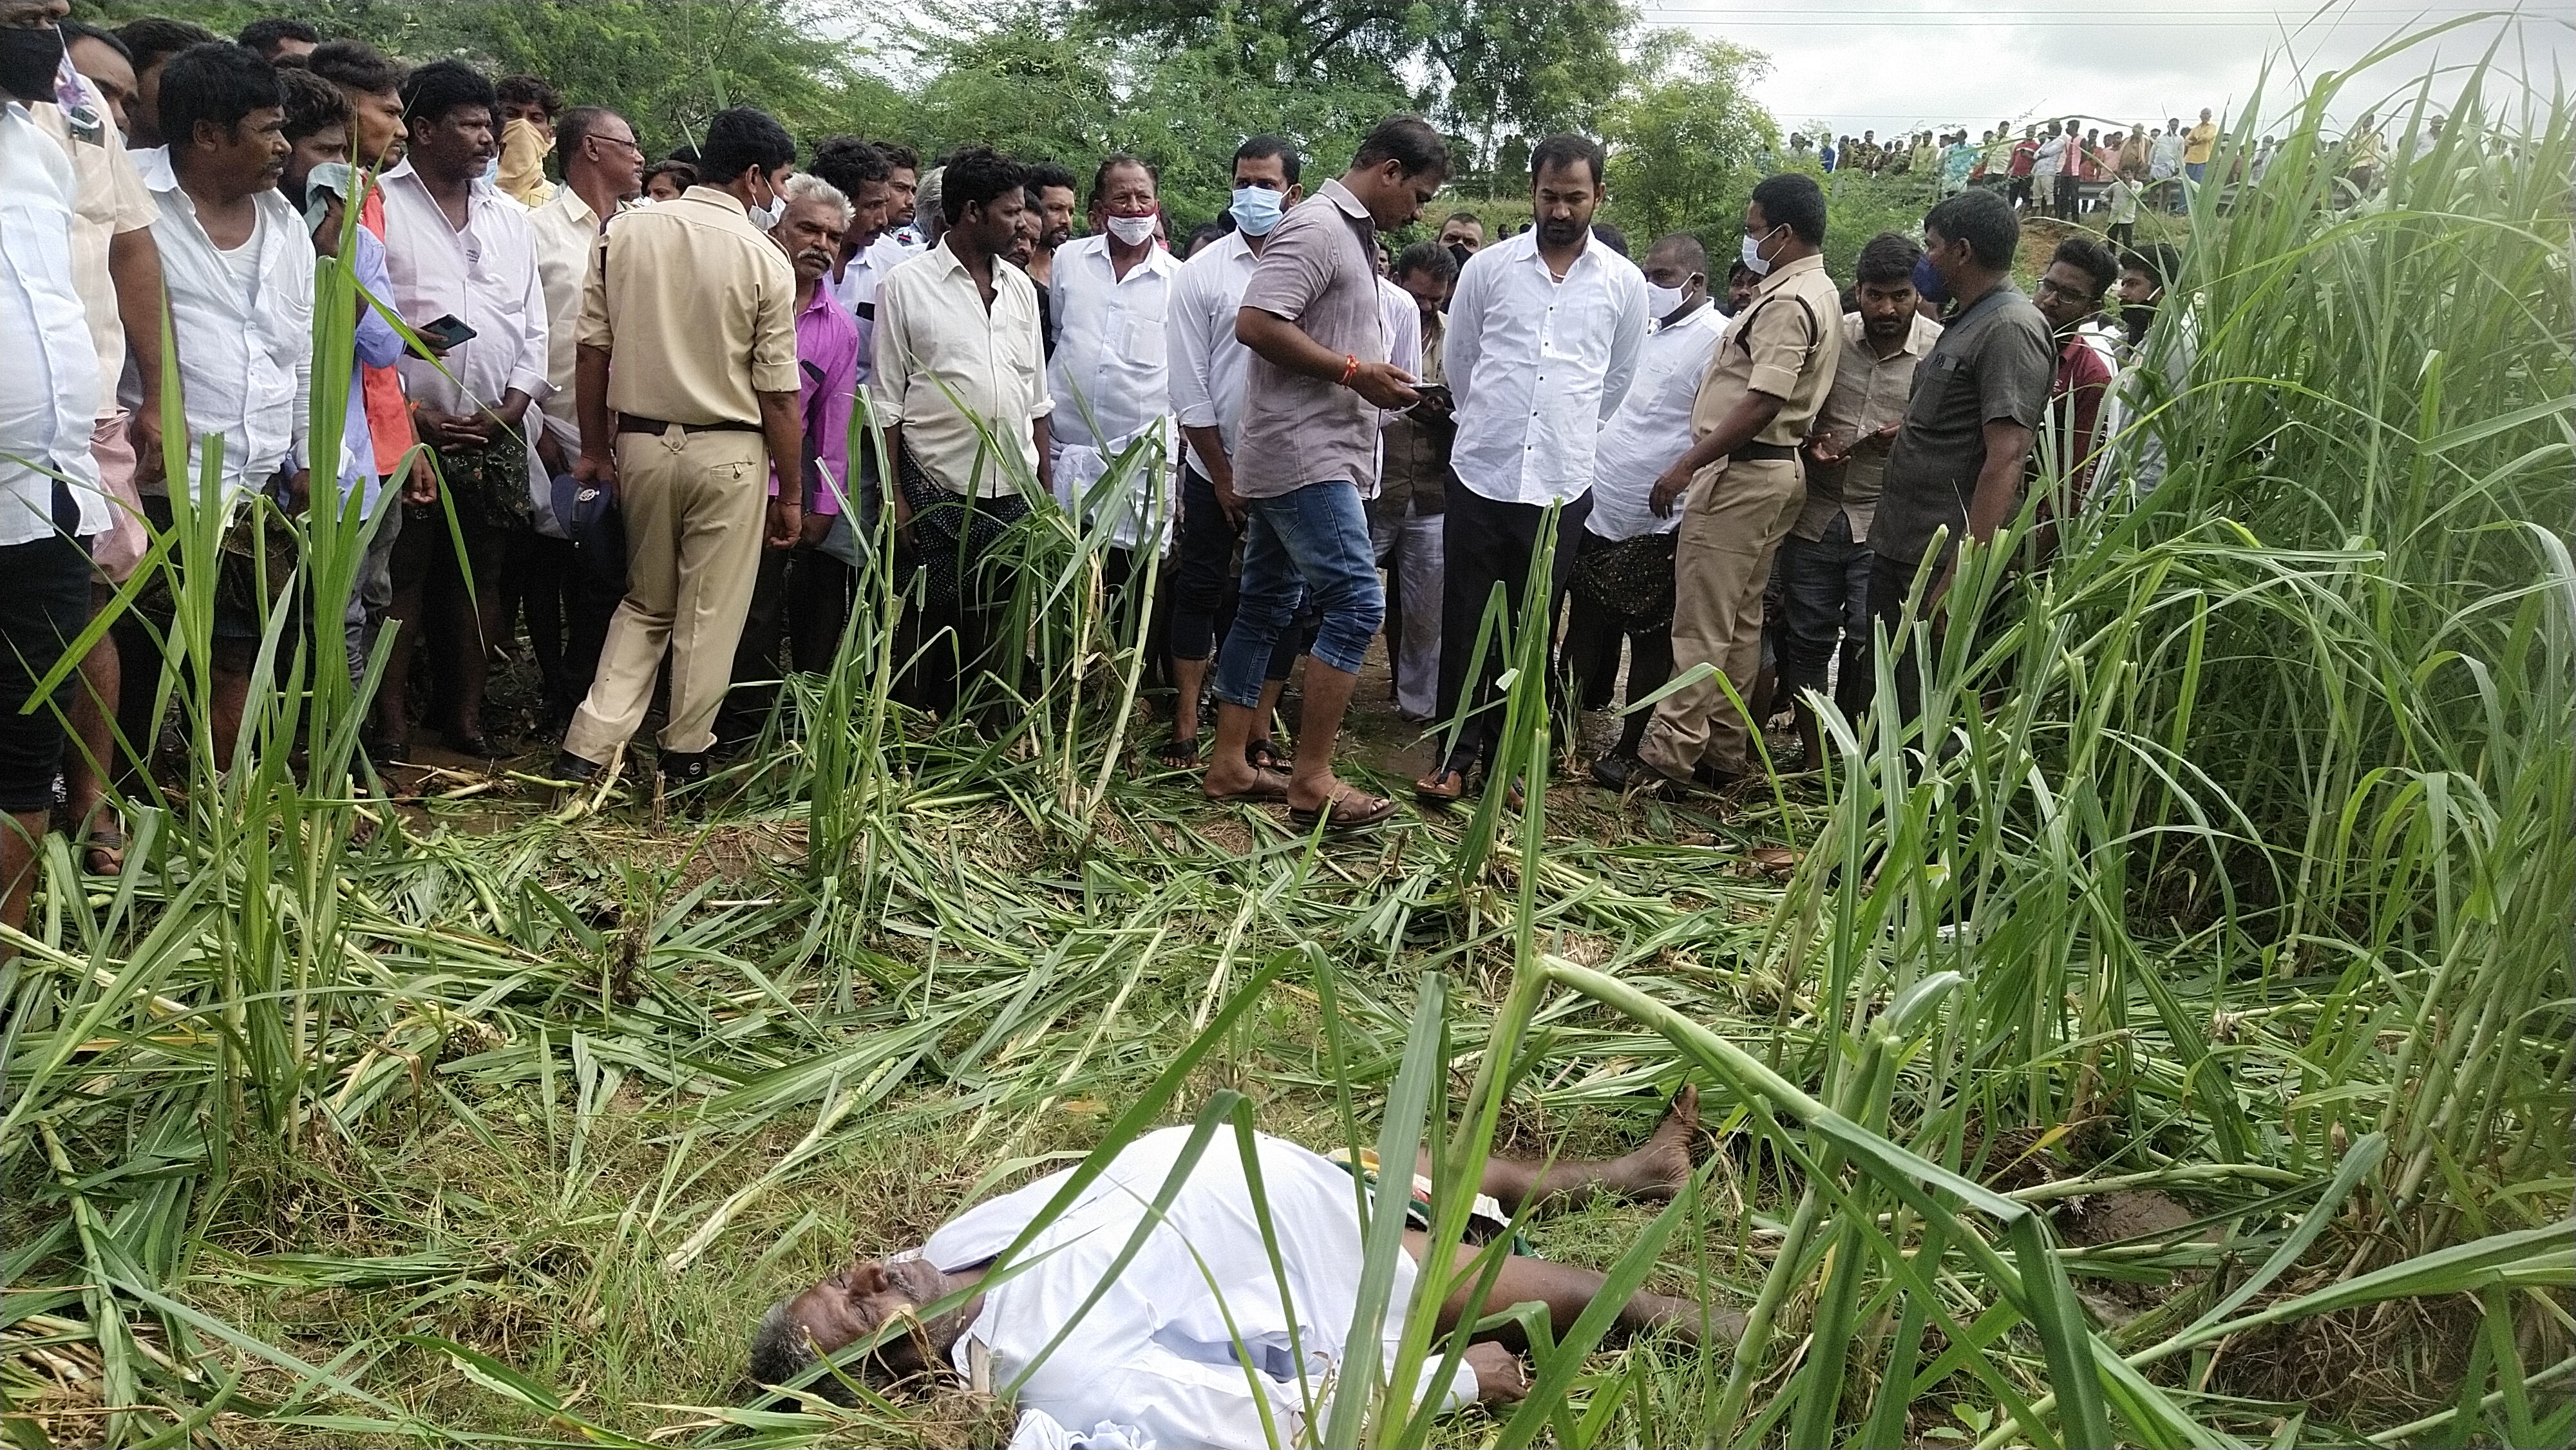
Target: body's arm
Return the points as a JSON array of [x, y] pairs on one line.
[[1287, 347], [1043, 437], [1625, 345], [783, 430], [1747, 418], [1998, 483], [134, 268], [1463, 340]]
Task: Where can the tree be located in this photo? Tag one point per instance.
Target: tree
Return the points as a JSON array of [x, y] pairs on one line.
[[1686, 138]]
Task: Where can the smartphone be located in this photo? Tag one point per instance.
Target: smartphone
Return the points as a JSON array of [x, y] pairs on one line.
[[446, 332], [1437, 395]]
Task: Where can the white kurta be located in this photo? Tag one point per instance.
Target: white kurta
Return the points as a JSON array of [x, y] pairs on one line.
[[1155, 1360]]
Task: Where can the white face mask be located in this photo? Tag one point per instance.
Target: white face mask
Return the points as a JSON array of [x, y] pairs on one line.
[[769, 216], [1132, 231], [1663, 302], [1753, 253]]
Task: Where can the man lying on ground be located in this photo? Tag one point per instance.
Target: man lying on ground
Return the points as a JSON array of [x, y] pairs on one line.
[[1155, 1361]]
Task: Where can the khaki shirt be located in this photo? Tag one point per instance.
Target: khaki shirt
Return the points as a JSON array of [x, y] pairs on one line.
[[1869, 394], [111, 199], [698, 309], [1784, 346]]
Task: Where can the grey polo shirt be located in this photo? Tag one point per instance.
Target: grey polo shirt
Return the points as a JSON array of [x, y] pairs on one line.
[[1317, 272], [1993, 363]]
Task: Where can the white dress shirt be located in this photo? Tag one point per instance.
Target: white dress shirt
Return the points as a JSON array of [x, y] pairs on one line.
[[566, 232], [1108, 374], [1207, 364], [1652, 427], [856, 290], [49, 387], [245, 361], [484, 273], [2051, 158], [1155, 1360], [1536, 366], [962, 378], [1401, 316]]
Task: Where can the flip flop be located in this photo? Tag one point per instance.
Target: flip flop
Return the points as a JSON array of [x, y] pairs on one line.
[[103, 840], [1179, 754], [1265, 787], [1263, 755], [1338, 821], [1441, 787]]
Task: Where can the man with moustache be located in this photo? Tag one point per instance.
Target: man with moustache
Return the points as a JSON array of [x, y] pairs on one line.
[[459, 247], [568, 588], [1825, 560], [1543, 336], [803, 593], [1057, 193], [237, 270]]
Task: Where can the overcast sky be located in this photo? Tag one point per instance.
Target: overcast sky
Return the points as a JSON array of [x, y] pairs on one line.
[[1893, 66]]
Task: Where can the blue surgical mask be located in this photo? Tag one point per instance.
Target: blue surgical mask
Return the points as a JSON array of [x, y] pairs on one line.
[[1256, 210]]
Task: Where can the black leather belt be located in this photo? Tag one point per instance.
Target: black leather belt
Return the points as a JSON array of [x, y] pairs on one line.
[[1762, 453], [637, 423]]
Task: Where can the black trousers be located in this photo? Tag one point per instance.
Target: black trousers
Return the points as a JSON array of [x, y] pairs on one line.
[[800, 599], [1589, 658], [44, 605], [567, 605], [1486, 543], [1203, 571]]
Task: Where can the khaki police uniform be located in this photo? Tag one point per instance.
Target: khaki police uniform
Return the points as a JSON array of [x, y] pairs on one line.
[[1738, 509], [698, 312]]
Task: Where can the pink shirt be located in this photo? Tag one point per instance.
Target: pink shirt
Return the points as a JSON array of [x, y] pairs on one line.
[[827, 359]]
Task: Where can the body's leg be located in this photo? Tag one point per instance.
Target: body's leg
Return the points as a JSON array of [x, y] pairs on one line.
[[1889, 581], [476, 622], [1650, 665], [819, 591], [43, 609], [1567, 1290], [1471, 554], [416, 548], [1812, 590], [1265, 608], [1653, 1171], [541, 575], [752, 688], [1852, 683], [1198, 591], [1327, 540], [93, 741], [1718, 613]]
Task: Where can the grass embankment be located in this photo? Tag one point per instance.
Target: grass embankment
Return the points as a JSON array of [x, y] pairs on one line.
[[2177, 1051]]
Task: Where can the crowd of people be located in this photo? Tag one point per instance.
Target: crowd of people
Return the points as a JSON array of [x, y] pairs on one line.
[[608, 398]]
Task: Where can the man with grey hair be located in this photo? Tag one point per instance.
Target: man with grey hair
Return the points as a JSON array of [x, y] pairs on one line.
[[802, 593], [1210, 1315]]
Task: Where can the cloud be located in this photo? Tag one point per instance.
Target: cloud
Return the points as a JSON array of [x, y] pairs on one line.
[[1890, 67]]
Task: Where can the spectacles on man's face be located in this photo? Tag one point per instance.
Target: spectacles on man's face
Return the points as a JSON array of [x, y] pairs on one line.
[[622, 141]]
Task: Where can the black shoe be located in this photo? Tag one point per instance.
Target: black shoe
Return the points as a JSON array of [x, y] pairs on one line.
[[1624, 772], [1711, 779], [571, 769], [679, 769]]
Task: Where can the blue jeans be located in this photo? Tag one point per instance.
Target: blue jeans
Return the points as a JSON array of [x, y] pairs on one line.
[[1311, 544], [1825, 602]]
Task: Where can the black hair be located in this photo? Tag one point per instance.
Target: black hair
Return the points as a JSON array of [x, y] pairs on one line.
[[217, 82], [1056, 176], [354, 65], [1887, 257], [1464, 216], [899, 156], [2161, 261], [781, 1350], [1270, 143], [2091, 257], [263, 35], [1429, 258], [312, 103], [530, 91], [441, 86], [75, 30], [1201, 235], [1685, 248], [1736, 269], [1100, 178], [739, 139], [1984, 220], [577, 124], [977, 174], [157, 37], [1409, 141], [1565, 150], [1792, 199], [1611, 237], [849, 163], [685, 171]]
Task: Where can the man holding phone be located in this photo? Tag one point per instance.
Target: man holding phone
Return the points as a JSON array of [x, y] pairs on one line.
[[687, 382], [463, 258]]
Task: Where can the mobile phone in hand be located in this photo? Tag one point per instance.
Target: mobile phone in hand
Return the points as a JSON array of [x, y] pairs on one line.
[[446, 332], [1437, 395]]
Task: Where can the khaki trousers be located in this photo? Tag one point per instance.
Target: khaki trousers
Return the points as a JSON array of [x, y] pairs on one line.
[[696, 506], [1721, 561]]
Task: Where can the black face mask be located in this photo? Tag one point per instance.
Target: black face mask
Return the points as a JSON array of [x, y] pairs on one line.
[[29, 59]]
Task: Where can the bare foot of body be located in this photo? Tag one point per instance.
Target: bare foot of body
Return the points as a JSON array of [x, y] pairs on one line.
[[1656, 1169]]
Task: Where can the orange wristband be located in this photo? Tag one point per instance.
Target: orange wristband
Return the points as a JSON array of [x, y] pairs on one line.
[[1350, 368]]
